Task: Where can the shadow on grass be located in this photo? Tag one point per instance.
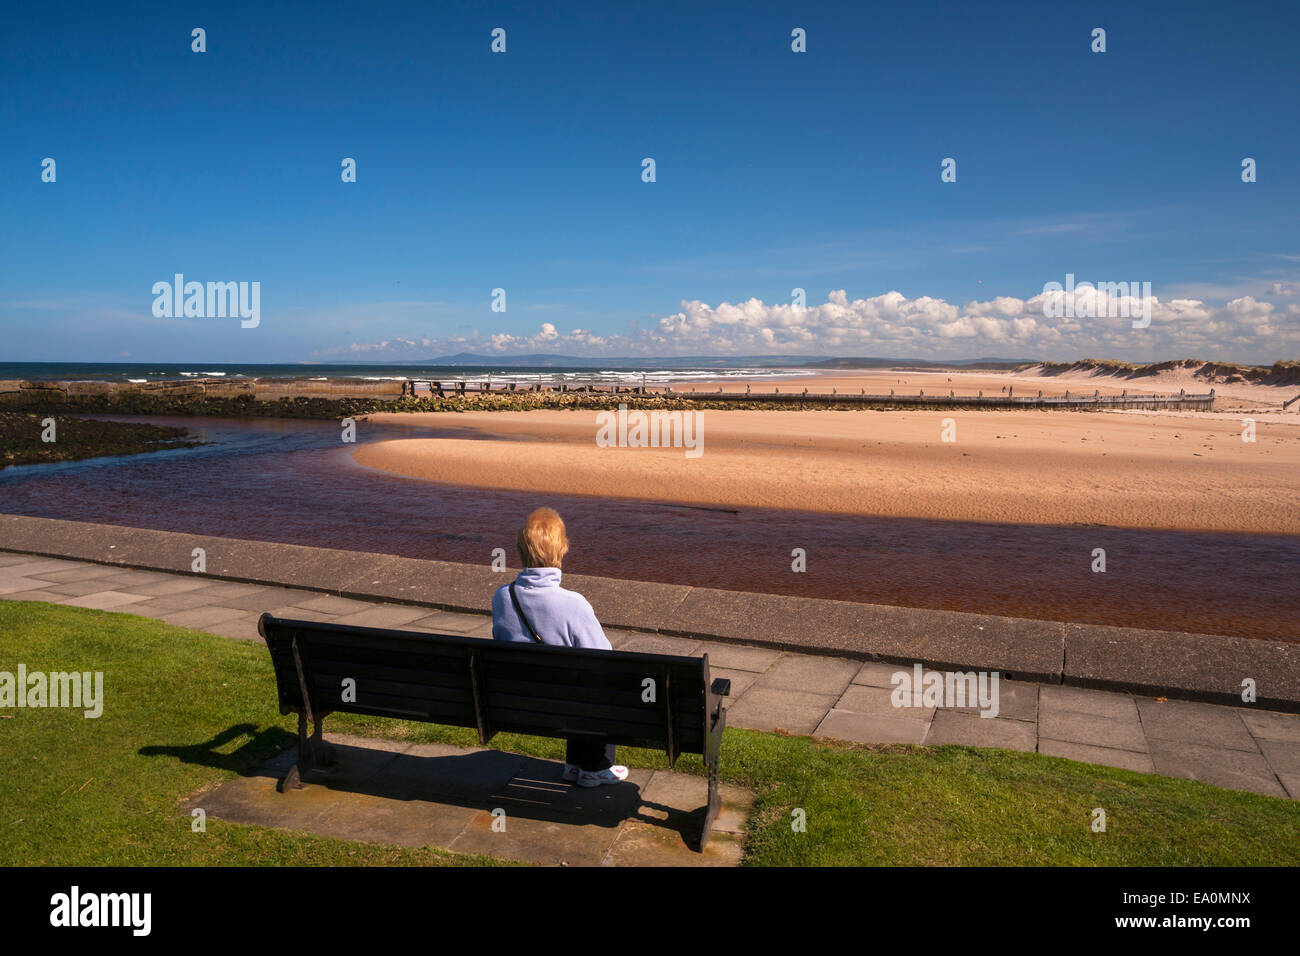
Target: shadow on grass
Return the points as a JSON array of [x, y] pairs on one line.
[[261, 743]]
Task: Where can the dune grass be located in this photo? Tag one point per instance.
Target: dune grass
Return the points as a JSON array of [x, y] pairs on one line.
[[108, 791]]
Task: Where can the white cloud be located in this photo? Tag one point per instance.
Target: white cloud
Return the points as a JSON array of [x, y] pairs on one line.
[[892, 325]]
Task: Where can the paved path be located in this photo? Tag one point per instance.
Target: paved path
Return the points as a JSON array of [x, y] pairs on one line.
[[1233, 747]]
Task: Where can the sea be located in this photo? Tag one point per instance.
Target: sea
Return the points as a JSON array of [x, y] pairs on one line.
[[504, 373]]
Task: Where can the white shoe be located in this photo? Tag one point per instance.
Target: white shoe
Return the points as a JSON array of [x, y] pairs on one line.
[[571, 771], [599, 777]]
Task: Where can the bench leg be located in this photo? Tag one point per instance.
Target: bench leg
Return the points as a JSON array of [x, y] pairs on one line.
[[323, 754], [293, 779], [712, 757], [715, 805]]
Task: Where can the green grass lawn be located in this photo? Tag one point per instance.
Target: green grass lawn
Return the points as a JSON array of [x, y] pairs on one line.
[[76, 791]]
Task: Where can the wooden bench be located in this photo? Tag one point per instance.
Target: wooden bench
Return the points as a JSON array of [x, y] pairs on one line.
[[657, 701]]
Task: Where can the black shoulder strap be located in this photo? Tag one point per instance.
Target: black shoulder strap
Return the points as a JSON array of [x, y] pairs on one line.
[[523, 617]]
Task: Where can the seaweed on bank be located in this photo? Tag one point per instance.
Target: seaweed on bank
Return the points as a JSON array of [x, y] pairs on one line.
[[246, 406], [22, 438]]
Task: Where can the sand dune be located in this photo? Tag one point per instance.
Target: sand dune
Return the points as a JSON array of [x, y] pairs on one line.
[[1234, 396], [1130, 469]]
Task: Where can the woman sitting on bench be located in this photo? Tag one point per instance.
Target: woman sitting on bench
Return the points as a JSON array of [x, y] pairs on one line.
[[535, 609]]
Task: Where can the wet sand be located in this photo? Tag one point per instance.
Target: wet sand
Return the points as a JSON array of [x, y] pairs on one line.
[[1172, 471]]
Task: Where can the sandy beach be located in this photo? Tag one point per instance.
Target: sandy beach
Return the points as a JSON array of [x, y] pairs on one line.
[[1175, 471]]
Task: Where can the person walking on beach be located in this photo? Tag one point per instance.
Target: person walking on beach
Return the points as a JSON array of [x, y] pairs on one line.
[[535, 609]]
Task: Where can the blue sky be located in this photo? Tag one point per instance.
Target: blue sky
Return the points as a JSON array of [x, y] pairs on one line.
[[522, 171]]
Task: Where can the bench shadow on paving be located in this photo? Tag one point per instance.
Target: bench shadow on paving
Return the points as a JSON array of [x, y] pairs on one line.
[[438, 795]]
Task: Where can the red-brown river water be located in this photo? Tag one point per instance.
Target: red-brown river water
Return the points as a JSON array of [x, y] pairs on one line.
[[295, 482]]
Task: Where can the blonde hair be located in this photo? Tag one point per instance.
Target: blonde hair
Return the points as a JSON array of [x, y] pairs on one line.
[[542, 542]]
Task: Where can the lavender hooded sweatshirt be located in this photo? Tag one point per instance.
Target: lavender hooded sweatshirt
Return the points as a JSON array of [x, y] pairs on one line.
[[559, 616]]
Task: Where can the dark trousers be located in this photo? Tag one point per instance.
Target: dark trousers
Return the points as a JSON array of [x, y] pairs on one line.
[[591, 755]]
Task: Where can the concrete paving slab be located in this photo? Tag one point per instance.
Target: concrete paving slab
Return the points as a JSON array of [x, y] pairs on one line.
[[1234, 769], [131, 577], [204, 617], [174, 585], [1015, 701], [185, 601], [253, 799], [382, 615], [1106, 756], [447, 622], [243, 628], [741, 681], [814, 675], [35, 566], [879, 701], [955, 727], [17, 585], [216, 591], [293, 613], [434, 795], [666, 791], [617, 636], [40, 594], [1112, 733], [1081, 700], [661, 644], [1195, 722], [775, 708], [873, 728], [332, 604], [82, 572], [1282, 755], [259, 600], [880, 674], [738, 657], [7, 558], [639, 844], [106, 600], [1291, 782], [78, 588], [364, 817], [483, 630], [1269, 725]]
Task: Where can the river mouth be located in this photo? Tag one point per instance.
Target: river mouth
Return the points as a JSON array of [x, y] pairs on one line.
[[295, 482]]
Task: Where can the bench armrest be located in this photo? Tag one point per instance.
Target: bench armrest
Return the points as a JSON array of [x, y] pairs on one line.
[[721, 687]]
